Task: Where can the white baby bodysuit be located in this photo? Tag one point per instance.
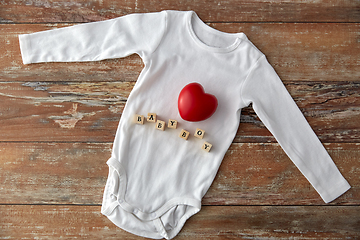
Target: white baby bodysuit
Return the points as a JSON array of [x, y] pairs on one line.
[[156, 178]]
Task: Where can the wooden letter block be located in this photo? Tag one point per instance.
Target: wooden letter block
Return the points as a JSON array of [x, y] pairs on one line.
[[184, 134], [151, 117], [139, 119], [160, 125], [207, 146], [172, 124], [199, 133]]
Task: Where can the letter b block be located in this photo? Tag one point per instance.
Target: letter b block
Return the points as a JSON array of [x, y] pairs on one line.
[[139, 119], [160, 125], [184, 134]]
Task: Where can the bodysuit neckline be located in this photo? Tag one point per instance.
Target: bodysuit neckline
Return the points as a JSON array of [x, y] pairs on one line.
[[192, 18]]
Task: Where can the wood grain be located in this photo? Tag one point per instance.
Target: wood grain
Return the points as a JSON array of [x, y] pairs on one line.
[[58, 120], [297, 51], [251, 174], [61, 112], [212, 222], [21, 11], [90, 111]]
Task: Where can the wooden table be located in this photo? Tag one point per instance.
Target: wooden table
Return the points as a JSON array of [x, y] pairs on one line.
[[58, 120]]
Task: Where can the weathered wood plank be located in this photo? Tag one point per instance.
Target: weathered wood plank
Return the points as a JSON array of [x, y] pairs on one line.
[[303, 52], [90, 112], [53, 173], [238, 222], [21, 11], [251, 174], [85, 112]]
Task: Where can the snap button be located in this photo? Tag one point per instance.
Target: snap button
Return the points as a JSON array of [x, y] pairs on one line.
[[153, 215], [120, 201], [113, 197], [135, 211]]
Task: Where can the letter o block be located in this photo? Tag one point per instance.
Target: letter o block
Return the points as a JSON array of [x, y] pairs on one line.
[[199, 133]]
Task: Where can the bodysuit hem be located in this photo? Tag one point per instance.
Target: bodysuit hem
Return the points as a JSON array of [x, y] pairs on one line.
[[118, 200]]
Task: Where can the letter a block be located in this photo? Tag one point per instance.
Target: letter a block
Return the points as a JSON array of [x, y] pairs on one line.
[[184, 134], [139, 119], [199, 133], [151, 117], [172, 124], [207, 146], [160, 125]]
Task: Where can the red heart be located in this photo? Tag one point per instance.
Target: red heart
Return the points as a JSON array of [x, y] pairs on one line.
[[194, 104]]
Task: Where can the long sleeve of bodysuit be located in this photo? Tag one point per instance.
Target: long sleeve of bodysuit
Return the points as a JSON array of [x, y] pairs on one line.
[[119, 37], [279, 113]]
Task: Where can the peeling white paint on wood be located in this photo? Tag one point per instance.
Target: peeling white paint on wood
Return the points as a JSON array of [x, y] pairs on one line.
[[71, 118]]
